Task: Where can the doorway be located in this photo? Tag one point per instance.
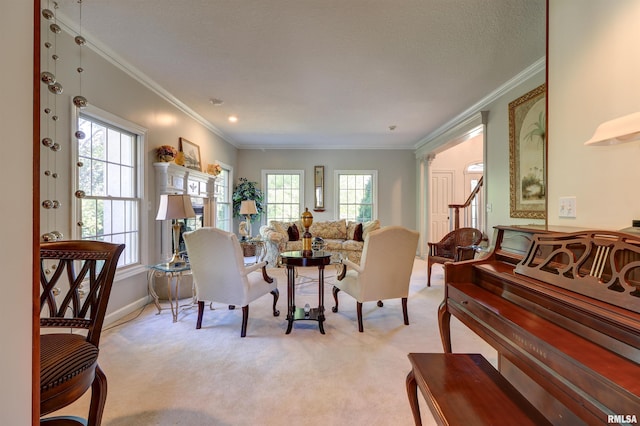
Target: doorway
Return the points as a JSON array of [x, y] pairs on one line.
[[454, 172], [441, 196]]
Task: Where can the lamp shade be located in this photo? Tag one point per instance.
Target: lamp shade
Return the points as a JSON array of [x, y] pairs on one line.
[[619, 130], [248, 207], [175, 206]]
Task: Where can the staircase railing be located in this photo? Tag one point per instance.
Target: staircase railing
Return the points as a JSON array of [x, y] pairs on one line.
[[476, 195]]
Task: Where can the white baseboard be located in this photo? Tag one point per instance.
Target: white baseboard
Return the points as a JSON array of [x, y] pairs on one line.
[[126, 310]]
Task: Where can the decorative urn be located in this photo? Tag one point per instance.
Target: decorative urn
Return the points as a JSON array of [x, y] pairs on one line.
[[307, 220]]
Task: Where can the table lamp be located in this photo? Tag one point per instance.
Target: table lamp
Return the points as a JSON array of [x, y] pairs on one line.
[[174, 207], [247, 208]]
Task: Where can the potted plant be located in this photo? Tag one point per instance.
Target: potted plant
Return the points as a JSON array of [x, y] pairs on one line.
[[247, 190]]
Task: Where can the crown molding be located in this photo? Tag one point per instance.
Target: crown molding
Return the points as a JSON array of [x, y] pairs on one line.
[[470, 112]]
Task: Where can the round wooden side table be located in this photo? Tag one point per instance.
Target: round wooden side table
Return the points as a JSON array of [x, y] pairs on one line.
[[298, 258]]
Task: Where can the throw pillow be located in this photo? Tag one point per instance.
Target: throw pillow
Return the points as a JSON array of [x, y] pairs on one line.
[[280, 227], [367, 227], [351, 230], [357, 234], [294, 234]]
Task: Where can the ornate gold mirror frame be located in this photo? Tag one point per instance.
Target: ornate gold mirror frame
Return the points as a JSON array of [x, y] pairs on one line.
[[318, 188]]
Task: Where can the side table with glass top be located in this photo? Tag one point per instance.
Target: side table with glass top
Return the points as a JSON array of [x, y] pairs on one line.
[[173, 274]]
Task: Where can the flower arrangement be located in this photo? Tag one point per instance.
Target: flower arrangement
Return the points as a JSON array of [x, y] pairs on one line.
[[214, 169], [166, 153]]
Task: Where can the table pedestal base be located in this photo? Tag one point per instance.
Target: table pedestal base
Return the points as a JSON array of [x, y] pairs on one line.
[[292, 260]]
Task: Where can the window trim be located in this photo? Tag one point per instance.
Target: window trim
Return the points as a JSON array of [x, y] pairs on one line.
[[374, 190], [265, 172], [127, 271], [229, 168]]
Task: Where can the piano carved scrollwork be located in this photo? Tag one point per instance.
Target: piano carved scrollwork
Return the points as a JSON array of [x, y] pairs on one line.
[[599, 264]]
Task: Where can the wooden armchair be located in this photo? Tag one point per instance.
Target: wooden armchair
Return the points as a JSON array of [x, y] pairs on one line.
[[80, 274], [457, 245]]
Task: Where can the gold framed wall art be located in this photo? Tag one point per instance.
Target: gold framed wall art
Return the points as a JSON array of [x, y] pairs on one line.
[[527, 155], [191, 155]]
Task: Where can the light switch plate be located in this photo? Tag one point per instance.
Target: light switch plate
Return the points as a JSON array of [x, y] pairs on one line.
[[568, 207]]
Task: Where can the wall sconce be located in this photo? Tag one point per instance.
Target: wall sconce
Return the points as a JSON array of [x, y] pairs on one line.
[[619, 130]]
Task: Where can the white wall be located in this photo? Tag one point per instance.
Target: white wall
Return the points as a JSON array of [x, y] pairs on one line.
[[593, 77], [16, 45], [113, 90], [396, 177], [497, 157]]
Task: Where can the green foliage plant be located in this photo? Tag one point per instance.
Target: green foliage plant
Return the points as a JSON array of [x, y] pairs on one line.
[[247, 190]]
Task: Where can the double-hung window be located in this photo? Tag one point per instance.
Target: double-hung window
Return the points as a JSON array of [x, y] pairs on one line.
[[356, 194], [284, 194], [223, 199], [108, 182]]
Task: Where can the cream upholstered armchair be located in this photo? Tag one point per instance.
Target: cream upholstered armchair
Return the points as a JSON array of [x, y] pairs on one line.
[[384, 271], [217, 265]]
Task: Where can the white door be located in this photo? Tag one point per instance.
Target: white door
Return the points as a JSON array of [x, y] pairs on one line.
[[441, 196]]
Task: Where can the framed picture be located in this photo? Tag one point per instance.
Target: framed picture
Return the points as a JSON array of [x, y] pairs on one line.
[[527, 155], [191, 154]]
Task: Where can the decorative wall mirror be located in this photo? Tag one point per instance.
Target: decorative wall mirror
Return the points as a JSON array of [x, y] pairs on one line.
[[318, 188]]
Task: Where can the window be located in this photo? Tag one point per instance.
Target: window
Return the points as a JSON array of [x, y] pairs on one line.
[[110, 180], [357, 194], [284, 192], [223, 199]]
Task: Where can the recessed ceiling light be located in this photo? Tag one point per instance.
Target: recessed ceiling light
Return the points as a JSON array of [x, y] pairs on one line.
[[233, 119], [216, 102]]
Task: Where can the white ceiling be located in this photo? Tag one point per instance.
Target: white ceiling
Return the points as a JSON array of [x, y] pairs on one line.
[[321, 73]]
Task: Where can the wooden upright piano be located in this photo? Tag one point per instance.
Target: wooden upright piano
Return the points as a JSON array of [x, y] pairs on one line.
[[563, 312]]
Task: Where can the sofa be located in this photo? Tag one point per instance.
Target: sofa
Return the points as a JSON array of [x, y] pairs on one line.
[[342, 237]]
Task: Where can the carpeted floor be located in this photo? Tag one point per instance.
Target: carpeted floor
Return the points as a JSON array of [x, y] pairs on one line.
[[161, 373]]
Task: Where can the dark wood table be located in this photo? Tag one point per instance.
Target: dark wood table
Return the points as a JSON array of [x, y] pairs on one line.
[[299, 258]]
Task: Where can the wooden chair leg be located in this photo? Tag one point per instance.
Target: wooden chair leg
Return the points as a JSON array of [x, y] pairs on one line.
[[412, 393], [404, 311], [245, 319], [276, 295], [200, 313], [429, 265], [335, 292], [98, 398], [359, 309]]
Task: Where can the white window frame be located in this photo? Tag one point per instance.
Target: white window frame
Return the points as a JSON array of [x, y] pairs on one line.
[[127, 271], [229, 202], [374, 190], [264, 219]]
